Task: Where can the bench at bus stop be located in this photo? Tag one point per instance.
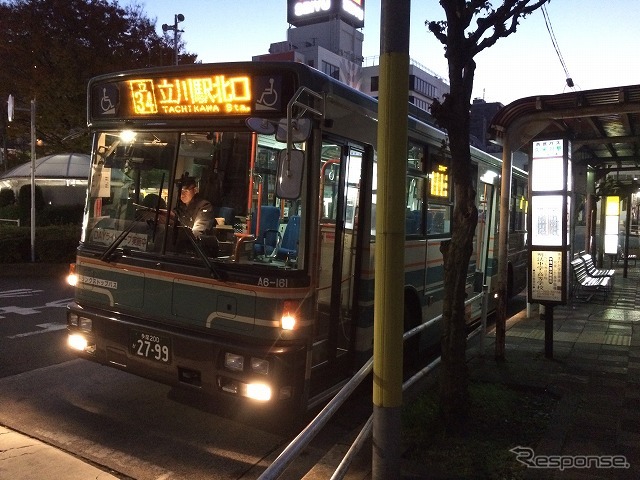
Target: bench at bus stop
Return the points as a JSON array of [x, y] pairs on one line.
[[629, 257], [588, 279]]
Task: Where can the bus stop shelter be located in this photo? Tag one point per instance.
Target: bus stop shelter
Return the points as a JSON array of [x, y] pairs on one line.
[[604, 128]]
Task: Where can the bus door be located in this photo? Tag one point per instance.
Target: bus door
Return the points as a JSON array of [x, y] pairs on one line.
[[336, 263], [484, 253]]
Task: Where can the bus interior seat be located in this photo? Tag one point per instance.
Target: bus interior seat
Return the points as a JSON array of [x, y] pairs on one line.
[[413, 222], [267, 236], [228, 214], [438, 222], [154, 201], [289, 246], [429, 221]]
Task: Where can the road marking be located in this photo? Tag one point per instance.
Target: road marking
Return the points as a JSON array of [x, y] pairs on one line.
[[20, 292], [19, 310], [45, 327], [59, 303], [33, 310]]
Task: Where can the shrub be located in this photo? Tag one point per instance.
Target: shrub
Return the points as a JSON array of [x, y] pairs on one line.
[[10, 211], [54, 244], [60, 215], [7, 197], [24, 202]]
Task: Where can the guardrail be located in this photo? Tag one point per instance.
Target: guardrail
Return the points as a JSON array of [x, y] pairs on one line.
[[303, 439], [11, 220]]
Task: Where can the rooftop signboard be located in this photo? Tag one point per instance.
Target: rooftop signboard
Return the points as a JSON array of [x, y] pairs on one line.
[[306, 12]]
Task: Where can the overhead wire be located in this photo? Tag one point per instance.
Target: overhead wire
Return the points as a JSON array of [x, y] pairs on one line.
[[547, 22]]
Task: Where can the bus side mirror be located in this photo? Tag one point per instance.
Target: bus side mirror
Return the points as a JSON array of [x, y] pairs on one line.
[[290, 170], [300, 130]]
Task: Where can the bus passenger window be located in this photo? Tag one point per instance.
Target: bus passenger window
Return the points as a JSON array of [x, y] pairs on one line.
[[414, 215], [438, 220]]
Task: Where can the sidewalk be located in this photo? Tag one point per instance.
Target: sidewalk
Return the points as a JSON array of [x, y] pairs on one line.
[[595, 372], [24, 458]]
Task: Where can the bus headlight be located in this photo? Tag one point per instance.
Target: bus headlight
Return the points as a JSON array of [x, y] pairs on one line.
[[77, 342], [258, 391], [234, 362], [255, 391], [72, 277], [85, 324], [260, 365]]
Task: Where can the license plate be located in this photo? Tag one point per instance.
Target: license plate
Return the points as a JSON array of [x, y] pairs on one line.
[[150, 346]]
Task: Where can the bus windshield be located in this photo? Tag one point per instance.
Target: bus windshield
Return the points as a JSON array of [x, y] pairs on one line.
[[208, 195]]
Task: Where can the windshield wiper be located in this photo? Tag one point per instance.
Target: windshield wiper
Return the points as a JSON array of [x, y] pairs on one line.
[[106, 256], [215, 273]]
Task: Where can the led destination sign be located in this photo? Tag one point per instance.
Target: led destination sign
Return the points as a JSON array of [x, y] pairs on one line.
[[440, 181], [191, 95], [213, 94]]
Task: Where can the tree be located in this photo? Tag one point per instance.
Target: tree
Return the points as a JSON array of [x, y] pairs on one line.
[[51, 48], [461, 46]]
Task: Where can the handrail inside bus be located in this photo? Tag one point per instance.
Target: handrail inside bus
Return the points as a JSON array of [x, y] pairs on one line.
[[303, 439]]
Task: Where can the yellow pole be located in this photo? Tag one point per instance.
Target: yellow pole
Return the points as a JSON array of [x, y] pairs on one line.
[[390, 237]]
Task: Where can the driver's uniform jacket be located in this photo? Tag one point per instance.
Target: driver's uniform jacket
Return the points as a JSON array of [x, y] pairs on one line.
[[197, 215]]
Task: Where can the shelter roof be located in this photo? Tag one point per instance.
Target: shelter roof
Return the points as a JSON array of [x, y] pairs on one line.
[[603, 125], [63, 165]]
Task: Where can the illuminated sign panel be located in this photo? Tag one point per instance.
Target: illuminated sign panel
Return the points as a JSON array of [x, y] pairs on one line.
[[546, 212], [549, 221], [306, 12], [176, 96], [611, 225], [193, 95], [547, 166], [546, 275], [440, 181]]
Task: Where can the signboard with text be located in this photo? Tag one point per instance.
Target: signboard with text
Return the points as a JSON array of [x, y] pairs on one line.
[[307, 12], [198, 94], [546, 275], [549, 220]]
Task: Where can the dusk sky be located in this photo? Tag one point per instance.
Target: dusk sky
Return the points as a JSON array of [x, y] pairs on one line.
[[597, 41]]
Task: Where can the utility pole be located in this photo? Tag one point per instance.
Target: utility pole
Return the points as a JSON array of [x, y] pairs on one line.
[[177, 18], [11, 109], [33, 180], [390, 233]]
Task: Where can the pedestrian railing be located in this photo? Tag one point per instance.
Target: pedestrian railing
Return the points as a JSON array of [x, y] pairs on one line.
[[298, 444], [11, 220]]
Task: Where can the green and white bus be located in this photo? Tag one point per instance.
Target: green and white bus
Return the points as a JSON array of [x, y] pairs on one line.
[[273, 300]]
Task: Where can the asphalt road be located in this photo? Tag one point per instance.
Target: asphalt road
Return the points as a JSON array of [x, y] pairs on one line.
[[135, 427], [32, 323]]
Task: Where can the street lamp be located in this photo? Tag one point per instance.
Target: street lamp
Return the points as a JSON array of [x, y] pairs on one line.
[[177, 18]]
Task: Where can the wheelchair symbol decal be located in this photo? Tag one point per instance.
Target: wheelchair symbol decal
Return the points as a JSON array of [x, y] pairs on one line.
[[108, 98], [268, 99]]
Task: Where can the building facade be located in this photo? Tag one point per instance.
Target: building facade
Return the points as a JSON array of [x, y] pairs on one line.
[[326, 35]]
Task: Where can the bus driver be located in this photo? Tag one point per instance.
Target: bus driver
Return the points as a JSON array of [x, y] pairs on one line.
[[193, 210]]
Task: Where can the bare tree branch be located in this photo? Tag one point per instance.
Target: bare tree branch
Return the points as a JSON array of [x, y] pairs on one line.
[[509, 13], [460, 15]]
